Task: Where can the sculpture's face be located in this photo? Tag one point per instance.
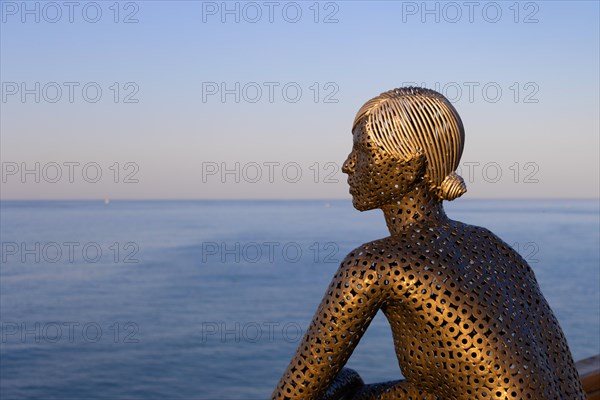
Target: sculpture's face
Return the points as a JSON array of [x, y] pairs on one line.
[[377, 178]]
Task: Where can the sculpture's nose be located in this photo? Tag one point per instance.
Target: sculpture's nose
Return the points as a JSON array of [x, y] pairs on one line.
[[349, 164]]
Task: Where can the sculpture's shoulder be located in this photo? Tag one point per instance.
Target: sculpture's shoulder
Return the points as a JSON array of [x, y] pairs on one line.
[[372, 259], [487, 252], [363, 270], [484, 239], [460, 228], [370, 253]]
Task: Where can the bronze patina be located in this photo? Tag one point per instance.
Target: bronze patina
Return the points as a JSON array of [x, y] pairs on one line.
[[468, 318]]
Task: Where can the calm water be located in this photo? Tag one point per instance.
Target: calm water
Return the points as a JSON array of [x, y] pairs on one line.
[[208, 300]]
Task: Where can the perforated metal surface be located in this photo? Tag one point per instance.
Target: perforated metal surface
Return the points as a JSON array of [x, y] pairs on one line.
[[467, 315]]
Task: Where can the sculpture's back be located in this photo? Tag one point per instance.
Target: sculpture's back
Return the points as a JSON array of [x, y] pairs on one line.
[[468, 319], [467, 316]]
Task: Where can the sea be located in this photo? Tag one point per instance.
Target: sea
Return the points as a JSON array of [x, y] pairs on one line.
[[209, 299]]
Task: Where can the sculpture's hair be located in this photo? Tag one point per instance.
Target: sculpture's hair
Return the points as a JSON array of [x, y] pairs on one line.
[[410, 120]]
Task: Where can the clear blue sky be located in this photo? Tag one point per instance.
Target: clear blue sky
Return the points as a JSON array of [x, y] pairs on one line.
[[538, 138]]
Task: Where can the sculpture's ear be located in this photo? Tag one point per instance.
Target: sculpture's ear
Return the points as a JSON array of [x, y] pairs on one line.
[[414, 167]]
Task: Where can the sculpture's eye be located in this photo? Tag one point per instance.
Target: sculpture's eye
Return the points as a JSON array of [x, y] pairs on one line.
[[364, 153]]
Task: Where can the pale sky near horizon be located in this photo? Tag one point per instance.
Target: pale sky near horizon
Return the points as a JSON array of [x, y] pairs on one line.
[[255, 100]]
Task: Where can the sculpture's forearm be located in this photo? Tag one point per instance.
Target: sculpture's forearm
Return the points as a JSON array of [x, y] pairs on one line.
[[340, 321], [308, 374]]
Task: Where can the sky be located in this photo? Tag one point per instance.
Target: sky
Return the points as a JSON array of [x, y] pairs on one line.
[[255, 100]]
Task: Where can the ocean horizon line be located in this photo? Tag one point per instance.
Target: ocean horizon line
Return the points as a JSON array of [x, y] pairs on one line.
[[110, 200]]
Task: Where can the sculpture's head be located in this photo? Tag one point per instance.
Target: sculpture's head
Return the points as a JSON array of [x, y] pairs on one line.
[[402, 137]]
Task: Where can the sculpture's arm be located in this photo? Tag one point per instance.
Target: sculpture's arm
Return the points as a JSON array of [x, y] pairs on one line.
[[350, 303]]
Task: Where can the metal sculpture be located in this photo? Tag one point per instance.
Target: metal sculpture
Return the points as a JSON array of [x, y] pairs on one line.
[[467, 315]]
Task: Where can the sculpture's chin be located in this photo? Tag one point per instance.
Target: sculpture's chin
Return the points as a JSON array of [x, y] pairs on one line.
[[362, 205]]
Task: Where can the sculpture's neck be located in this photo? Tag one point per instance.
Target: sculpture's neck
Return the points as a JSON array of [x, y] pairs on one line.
[[418, 207]]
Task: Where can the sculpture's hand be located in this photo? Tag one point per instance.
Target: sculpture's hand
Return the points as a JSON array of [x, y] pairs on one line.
[[350, 303]]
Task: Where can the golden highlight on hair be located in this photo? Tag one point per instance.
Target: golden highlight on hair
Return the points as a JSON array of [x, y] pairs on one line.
[[406, 121]]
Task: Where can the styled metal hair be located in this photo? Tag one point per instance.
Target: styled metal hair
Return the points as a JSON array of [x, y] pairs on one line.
[[410, 120]]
